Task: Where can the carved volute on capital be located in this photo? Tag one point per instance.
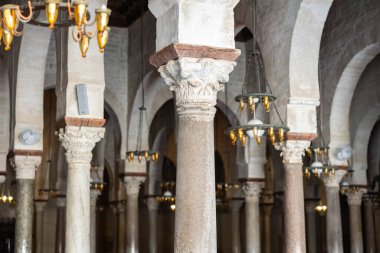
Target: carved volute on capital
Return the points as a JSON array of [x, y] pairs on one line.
[[26, 166], [252, 191], [196, 82], [334, 180], [79, 142], [354, 196], [292, 151], [133, 184]]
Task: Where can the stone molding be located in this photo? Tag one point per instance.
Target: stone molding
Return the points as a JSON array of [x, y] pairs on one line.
[[133, 184], [26, 166], [354, 196], [196, 82], [175, 51], [252, 191], [292, 151], [334, 180], [79, 142]]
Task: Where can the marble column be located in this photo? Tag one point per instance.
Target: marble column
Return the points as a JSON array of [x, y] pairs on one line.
[[195, 83], [94, 194], [267, 208], [354, 200], [333, 218], [121, 217], [376, 215], [78, 142], [235, 225], [294, 209], [60, 228], [153, 208], [25, 174], [40, 205], [133, 187], [311, 234], [369, 226], [252, 192]]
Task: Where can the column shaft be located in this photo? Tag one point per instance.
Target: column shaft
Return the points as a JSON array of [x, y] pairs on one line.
[[60, 230], [253, 226], [195, 218], [121, 228], [132, 223], [153, 231], [356, 229], [94, 195], [311, 228], [39, 226], [369, 227], [235, 224], [333, 221], [24, 215], [267, 227], [294, 214]]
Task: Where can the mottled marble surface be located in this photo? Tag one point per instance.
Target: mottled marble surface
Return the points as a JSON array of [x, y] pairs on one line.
[[24, 215]]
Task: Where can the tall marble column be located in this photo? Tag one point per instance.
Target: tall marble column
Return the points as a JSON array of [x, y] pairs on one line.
[[252, 192], [354, 200], [369, 226], [294, 210], [40, 205], [153, 208], [333, 217], [235, 225], [25, 174], [60, 228], [133, 187], [78, 142], [311, 234], [195, 83], [376, 215], [93, 198], [267, 208], [121, 226]]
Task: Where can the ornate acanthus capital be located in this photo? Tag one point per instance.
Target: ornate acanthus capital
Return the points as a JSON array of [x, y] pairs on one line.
[[334, 179], [133, 184], [293, 150], [252, 191], [196, 82], [354, 196], [26, 166], [79, 142]]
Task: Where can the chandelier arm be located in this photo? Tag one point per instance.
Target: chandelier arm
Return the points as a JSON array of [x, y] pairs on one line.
[[87, 23], [70, 14], [76, 34], [89, 34], [23, 18]]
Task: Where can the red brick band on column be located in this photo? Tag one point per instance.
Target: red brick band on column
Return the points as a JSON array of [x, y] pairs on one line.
[[174, 51], [88, 122]]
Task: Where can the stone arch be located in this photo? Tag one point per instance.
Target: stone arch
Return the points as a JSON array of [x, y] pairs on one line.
[[373, 170], [340, 109], [360, 144]]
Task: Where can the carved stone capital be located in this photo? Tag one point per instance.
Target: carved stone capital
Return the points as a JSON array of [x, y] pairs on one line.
[[152, 204], [79, 142], [133, 184], [293, 150], [235, 205], [61, 202], [354, 196], [334, 180], [40, 205], [26, 166], [252, 191], [196, 82], [120, 207]]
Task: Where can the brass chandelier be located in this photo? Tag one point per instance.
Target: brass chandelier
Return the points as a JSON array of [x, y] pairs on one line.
[[11, 15], [255, 128], [149, 155]]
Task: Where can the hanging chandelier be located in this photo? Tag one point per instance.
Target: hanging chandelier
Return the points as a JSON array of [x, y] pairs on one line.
[[6, 196], [96, 183], [46, 12], [139, 153], [48, 188], [255, 128], [319, 162]]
